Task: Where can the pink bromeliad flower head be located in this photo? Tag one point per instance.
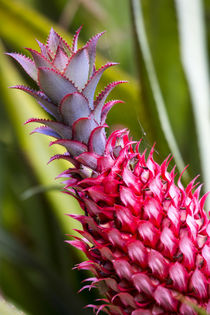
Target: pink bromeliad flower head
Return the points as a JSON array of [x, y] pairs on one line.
[[146, 238]]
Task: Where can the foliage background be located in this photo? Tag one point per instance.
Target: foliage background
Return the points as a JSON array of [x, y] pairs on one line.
[[35, 263]]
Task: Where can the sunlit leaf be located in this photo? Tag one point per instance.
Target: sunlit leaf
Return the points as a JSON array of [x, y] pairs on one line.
[[195, 61], [9, 309]]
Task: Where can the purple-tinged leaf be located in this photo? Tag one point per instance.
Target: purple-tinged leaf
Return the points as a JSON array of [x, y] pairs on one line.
[[91, 48], [89, 89], [27, 64], [53, 41], [60, 60], [66, 173], [75, 40], [78, 68], [43, 49], [46, 131], [54, 84], [106, 108], [75, 148], [101, 98], [97, 140], [63, 130], [66, 156], [42, 99], [82, 129], [40, 60], [89, 159], [74, 106]]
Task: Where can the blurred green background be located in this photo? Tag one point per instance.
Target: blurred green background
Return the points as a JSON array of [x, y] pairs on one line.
[[35, 263]]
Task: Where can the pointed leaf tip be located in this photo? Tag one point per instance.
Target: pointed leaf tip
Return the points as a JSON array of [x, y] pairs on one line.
[[89, 89], [42, 99], [75, 148], [26, 63], [53, 41], [61, 129], [75, 39], [91, 48], [101, 98], [39, 59], [46, 131], [106, 108]]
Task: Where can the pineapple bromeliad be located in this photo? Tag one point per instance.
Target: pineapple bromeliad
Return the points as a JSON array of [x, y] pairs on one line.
[[146, 238]]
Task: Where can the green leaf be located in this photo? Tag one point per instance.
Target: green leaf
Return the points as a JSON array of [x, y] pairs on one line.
[[157, 94], [37, 275], [193, 48], [9, 309]]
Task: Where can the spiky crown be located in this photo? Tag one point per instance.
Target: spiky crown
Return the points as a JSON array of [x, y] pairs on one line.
[[67, 79]]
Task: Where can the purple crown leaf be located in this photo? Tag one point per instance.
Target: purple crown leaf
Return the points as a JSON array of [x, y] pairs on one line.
[[101, 98], [66, 156], [39, 59], [43, 49], [78, 68], [53, 41], [42, 99], [46, 131], [97, 141], [88, 159], [74, 106], [61, 59], [74, 147], [62, 130], [91, 48], [75, 40], [54, 84], [82, 129], [27, 64], [106, 108], [89, 89]]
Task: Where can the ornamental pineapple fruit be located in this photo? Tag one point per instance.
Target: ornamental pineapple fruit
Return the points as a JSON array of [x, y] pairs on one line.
[[147, 239]]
